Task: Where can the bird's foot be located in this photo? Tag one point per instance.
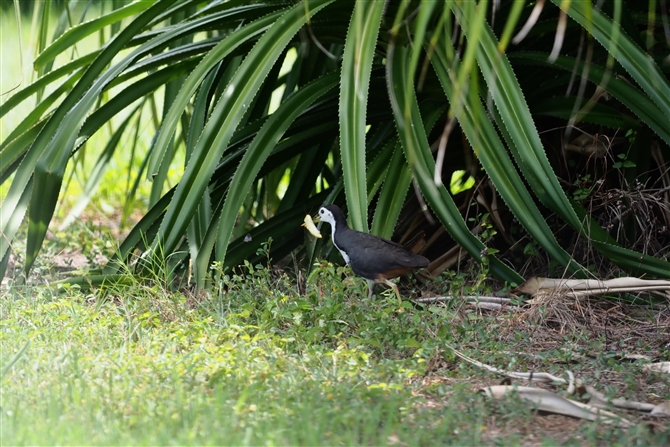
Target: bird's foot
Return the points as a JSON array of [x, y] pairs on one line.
[[397, 294]]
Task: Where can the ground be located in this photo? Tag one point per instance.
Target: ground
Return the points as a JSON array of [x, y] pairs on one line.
[[259, 359]]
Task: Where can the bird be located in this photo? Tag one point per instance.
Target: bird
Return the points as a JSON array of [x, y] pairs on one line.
[[374, 258]]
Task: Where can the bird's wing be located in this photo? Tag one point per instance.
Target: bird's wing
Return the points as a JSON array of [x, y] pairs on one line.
[[361, 237], [377, 255]]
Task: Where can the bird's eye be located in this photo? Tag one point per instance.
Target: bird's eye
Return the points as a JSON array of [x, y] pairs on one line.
[[321, 211]]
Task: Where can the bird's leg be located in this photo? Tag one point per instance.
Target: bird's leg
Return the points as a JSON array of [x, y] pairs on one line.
[[371, 287], [395, 289]]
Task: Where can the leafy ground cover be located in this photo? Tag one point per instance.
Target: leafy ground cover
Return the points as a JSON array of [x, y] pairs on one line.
[[268, 360]]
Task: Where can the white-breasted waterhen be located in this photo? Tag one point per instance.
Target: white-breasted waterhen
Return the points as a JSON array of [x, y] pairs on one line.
[[374, 258]]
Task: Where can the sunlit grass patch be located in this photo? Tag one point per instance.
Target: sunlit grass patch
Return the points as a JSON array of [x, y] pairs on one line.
[[150, 369]]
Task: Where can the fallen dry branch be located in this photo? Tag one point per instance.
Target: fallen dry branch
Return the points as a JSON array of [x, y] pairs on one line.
[[481, 302], [544, 400]]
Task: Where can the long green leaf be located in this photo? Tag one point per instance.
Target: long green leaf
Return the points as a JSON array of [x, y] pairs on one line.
[[46, 80], [149, 64], [95, 177], [396, 184], [629, 95], [601, 114], [525, 144], [392, 195], [304, 176], [198, 226], [359, 52], [14, 150], [378, 168], [527, 148], [135, 91], [15, 219], [166, 58], [214, 57], [283, 228], [632, 58], [51, 166], [38, 111], [77, 33], [169, 92], [477, 127], [49, 182]]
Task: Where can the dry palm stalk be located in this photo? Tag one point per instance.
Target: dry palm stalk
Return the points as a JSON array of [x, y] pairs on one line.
[[584, 287]]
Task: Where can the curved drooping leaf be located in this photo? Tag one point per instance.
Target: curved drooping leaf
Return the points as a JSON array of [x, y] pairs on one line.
[[476, 125], [632, 58], [54, 176], [69, 68], [213, 57], [96, 174], [601, 114], [524, 141], [421, 162], [77, 33], [527, 148], [629, 95], [195, 50]]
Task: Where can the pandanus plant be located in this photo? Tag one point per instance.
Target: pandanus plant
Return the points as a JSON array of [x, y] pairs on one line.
[[551, 107]]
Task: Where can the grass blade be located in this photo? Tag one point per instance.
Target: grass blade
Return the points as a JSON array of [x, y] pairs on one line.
[[6, 367]]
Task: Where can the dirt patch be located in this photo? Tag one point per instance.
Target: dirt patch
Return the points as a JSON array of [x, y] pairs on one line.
[[605, 345]]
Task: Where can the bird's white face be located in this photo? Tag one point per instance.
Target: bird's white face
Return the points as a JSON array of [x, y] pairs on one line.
[[326, 216]]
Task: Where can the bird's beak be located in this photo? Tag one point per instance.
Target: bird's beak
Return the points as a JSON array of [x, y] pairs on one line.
[[316, 218]]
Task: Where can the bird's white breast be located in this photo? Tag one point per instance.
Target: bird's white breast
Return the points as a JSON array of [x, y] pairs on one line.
[[332, 234]]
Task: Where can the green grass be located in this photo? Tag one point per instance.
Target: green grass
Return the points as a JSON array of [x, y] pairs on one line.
[[256, 363], [153, 369]]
